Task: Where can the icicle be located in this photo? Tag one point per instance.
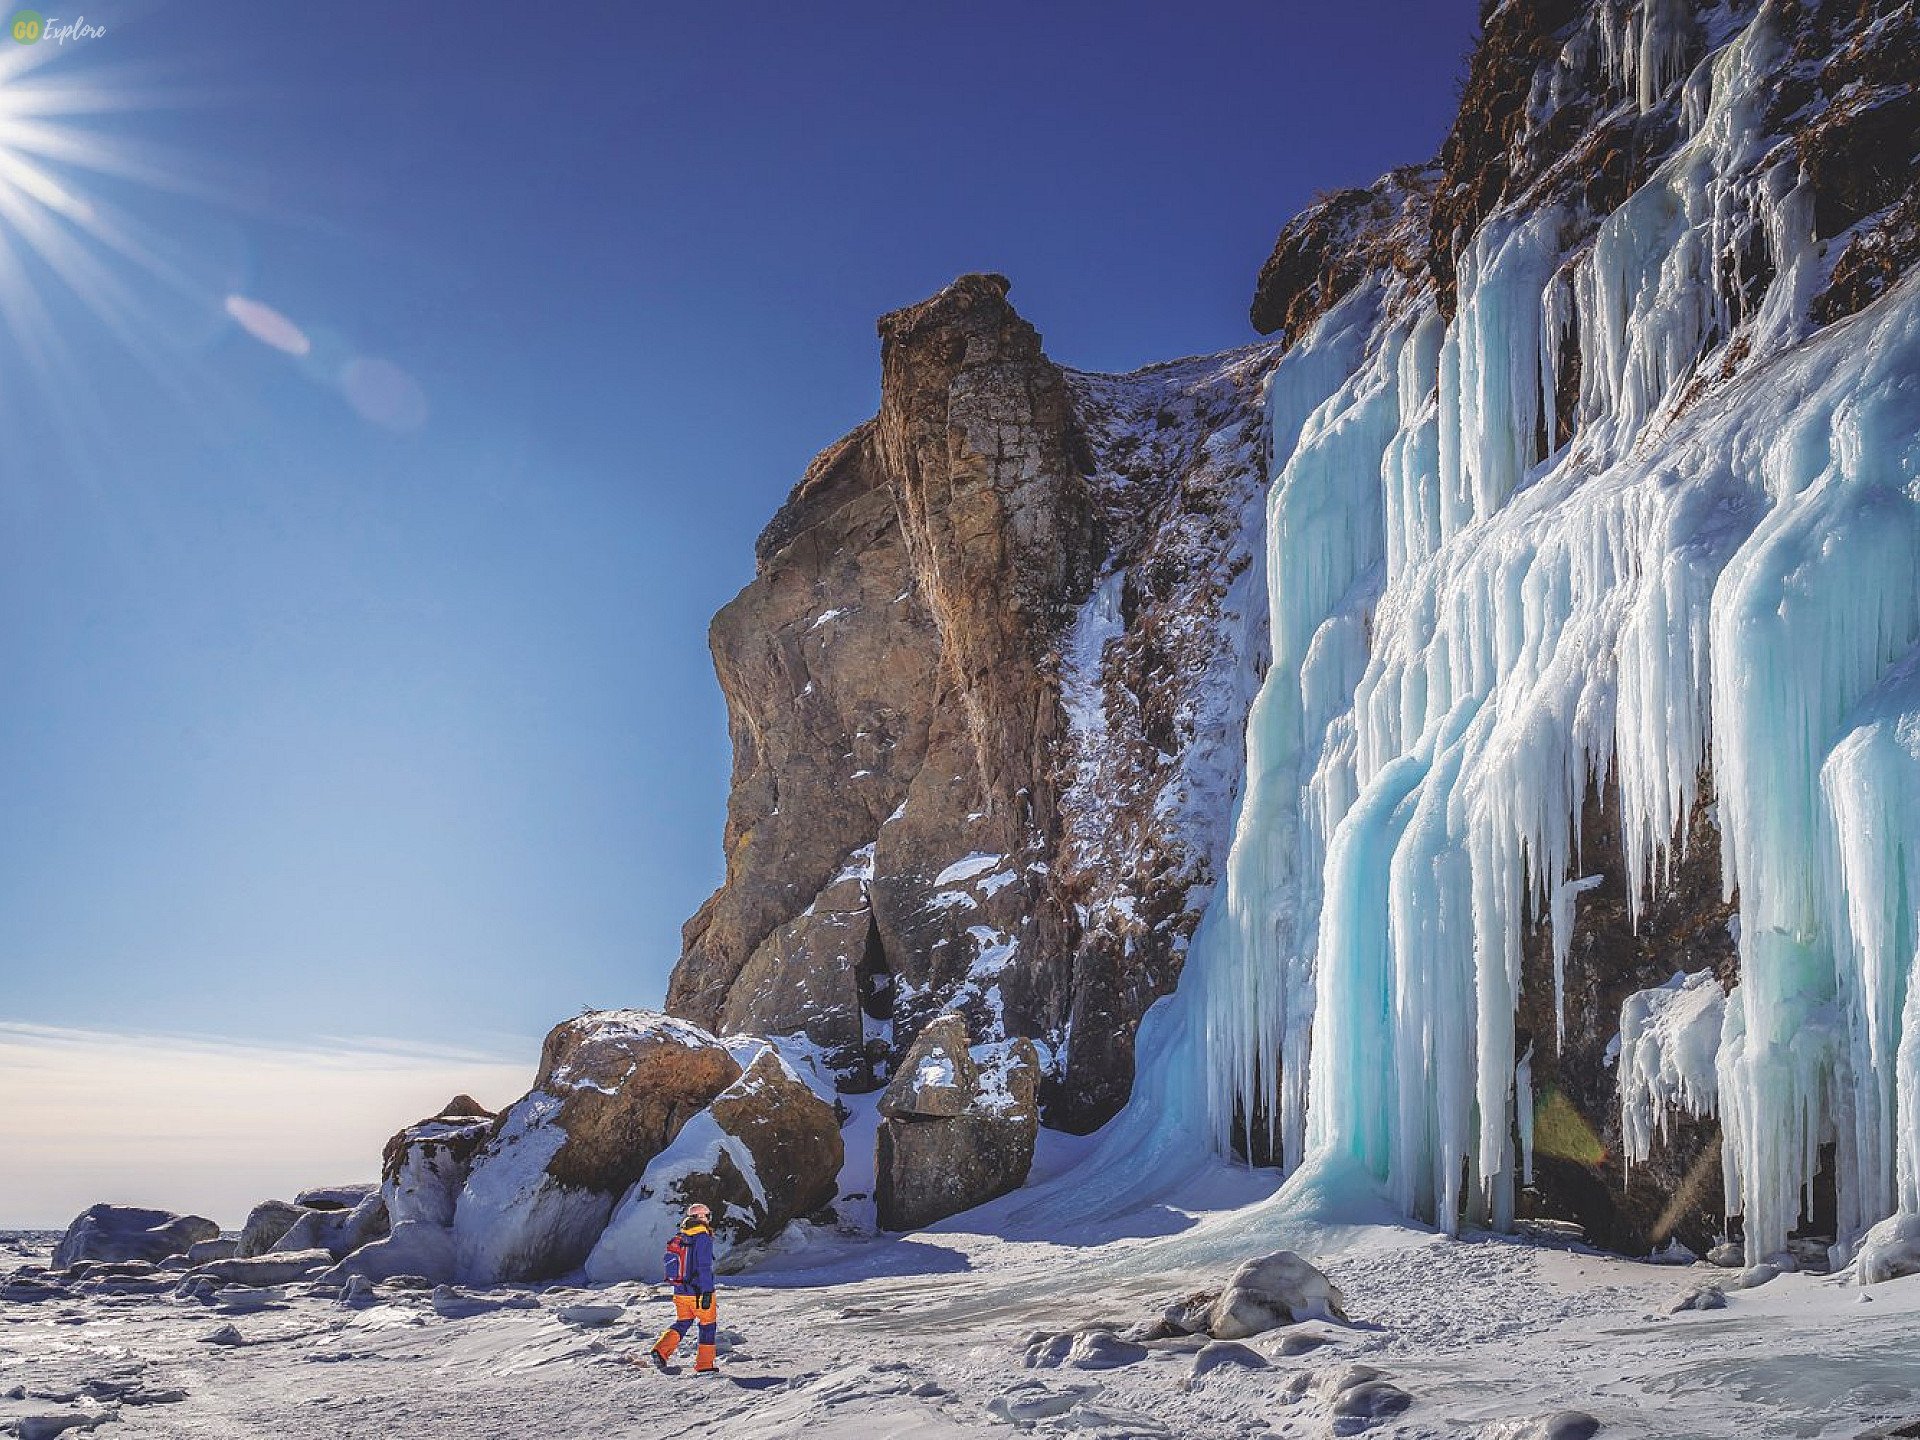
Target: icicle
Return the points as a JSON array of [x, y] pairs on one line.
[[1523, 1108], [1468, 634]]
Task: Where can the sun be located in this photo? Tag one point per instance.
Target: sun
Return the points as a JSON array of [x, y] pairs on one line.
[[76, 180], [84, 216], [53, 231]]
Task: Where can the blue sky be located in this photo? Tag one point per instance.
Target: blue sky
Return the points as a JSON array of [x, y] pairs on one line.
[[365, 691]]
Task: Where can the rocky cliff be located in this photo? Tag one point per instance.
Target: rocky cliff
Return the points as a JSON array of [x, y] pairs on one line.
[[982, 706], [990, 688]]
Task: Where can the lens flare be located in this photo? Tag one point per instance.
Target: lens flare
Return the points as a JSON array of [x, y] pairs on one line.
[[88, 212], [268, 325]]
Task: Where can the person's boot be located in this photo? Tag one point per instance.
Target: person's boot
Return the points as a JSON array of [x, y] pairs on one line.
[[704, 1363], [663, 1349]]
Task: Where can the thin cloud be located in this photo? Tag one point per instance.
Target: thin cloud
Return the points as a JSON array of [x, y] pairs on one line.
[[211, 1126]]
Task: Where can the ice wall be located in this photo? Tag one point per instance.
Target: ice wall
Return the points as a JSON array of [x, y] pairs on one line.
[[1721, 568]]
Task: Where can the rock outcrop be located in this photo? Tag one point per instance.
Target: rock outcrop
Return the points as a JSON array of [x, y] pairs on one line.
[[766, 1152], [423, 1166], [958, 1125], [985, 694], [278, 1268], [266, 1223], [126, 1232], [613, 1088]]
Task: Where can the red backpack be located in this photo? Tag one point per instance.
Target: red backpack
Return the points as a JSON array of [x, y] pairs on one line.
[[678, 1260]]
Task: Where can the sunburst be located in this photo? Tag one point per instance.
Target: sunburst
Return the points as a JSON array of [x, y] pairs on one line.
[[74, 186], [58, 144]]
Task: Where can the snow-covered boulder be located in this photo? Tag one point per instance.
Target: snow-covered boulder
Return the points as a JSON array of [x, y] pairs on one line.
[[414, 1247], [450, 1302], [279, 1268], [338, 1232], [1891, 1249], [937, 1079], [205, 1252], [613, 1089], [1272, 1291], [957, 1127], [424, 1165], [1218, 1354], [1091, 1349], [1560, 1425], [767, 1151], [266, 1223], [126, 1232], [336, 1197]]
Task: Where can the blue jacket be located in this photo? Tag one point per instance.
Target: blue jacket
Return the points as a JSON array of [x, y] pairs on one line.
[[701, 1239]]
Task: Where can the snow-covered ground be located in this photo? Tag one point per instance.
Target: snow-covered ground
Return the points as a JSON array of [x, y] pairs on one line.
[[928, 1335]]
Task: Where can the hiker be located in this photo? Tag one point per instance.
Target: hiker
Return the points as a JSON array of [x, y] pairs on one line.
[[689, 1267]]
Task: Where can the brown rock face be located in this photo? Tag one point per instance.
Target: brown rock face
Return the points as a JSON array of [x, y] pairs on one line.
[[958, 1126], [626, 1089], [917, 821], [885, 678], [614, 1087], [766, 1152], [1337, 243], [1547, 117], [793, 1136]]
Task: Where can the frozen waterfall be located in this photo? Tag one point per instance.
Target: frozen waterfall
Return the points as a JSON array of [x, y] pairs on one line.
[[1719, 572]]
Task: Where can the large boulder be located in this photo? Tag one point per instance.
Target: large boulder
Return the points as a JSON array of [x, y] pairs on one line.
[[336, 1197], [957, 1127], [767, 1151], [614, 1088], [205, 1252], [338, 1231], [279, 1268], [126, 1232], [266, 1223], [424, 1166]]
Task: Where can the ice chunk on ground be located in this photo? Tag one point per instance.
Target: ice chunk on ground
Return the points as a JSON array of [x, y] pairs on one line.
[[1272, 1291], [1890, 1250]]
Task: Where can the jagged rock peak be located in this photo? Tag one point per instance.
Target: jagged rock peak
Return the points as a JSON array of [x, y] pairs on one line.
[[936, 739]]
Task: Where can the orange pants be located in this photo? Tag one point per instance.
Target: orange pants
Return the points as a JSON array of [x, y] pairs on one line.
[[687, 1311]]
